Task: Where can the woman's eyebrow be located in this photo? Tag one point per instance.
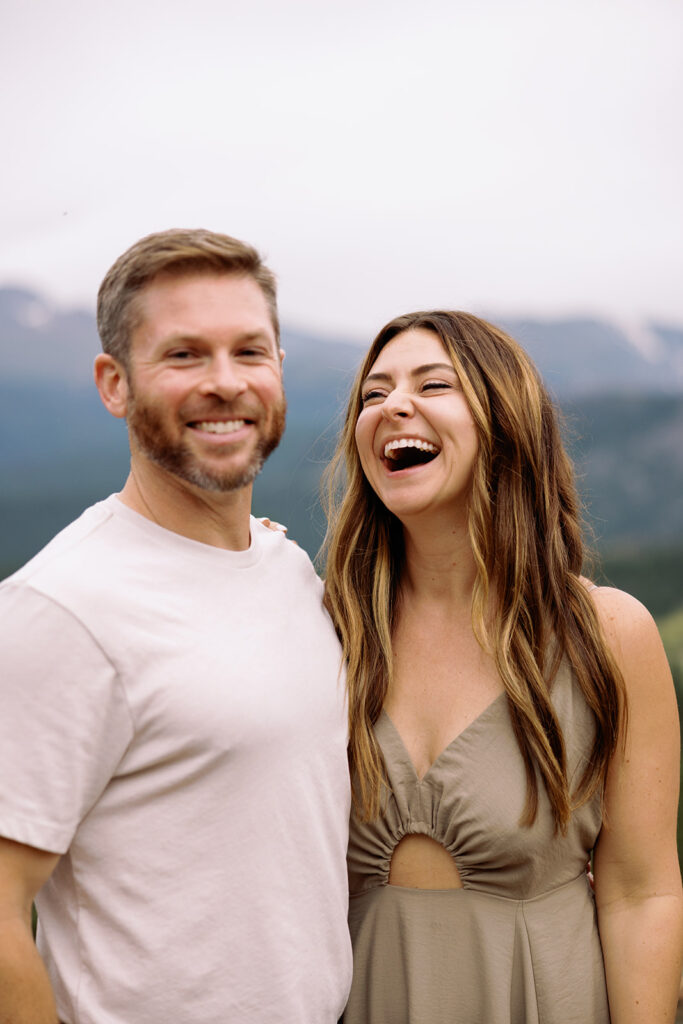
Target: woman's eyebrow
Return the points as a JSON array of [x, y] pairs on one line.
[[429, 367]]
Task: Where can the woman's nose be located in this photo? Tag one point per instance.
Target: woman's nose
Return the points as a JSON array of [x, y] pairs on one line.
[[397, 404]]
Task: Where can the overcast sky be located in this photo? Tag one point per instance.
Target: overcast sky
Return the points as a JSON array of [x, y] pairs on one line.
[[500, 156]]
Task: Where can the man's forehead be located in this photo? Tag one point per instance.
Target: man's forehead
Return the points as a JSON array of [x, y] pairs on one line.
[[188, 304], [184, 285]]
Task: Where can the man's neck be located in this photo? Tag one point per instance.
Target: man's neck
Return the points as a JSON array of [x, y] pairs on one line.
[[210, 517]]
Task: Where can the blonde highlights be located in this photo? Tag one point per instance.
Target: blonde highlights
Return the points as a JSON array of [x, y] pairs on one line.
[[529, 606]]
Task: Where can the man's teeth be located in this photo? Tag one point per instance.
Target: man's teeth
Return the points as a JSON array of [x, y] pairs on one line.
[[408, 442], [220, 426]]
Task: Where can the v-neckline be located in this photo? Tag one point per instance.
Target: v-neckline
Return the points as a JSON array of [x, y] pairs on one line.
[[456, 739]]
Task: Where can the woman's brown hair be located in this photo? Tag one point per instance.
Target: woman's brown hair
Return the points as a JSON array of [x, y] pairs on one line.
[[528, 599]]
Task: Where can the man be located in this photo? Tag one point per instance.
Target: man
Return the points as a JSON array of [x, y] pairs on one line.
[[174, 786]]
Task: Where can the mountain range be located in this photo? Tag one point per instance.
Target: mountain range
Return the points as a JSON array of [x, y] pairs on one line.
[[621, 394]]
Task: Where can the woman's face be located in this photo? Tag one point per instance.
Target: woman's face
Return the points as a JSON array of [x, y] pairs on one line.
[[415, 434]]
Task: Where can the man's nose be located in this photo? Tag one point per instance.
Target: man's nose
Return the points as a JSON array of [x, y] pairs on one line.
[[223, 377]]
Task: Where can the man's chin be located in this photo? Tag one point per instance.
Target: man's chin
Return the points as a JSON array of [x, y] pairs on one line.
[[214, 478], [220, 483], [185, 467]]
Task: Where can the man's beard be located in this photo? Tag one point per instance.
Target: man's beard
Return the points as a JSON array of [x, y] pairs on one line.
[[148, 433]]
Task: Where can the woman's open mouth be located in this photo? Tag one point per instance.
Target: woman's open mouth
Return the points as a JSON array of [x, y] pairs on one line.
[[406, 452]]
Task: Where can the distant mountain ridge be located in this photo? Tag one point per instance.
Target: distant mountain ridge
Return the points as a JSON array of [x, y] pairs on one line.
[[40, 342], [61, 451], [577, 356]]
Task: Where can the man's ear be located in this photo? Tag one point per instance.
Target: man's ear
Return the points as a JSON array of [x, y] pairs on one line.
[[282, 357], [112, 383]]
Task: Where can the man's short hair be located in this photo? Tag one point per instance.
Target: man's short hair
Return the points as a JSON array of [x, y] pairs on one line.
[[175, 252]]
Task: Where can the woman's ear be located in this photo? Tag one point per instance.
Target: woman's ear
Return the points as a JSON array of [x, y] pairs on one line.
[[111, 381]]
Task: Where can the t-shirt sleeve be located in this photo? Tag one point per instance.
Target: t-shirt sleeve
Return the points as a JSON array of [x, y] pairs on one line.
[[64, 720]]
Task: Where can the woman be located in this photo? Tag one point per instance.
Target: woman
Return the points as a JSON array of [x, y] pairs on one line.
[[507, 718]]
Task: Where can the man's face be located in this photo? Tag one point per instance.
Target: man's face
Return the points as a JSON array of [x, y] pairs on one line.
[[205, 398]]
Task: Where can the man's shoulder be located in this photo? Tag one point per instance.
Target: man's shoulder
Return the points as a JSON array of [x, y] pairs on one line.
[[60, 558], [279, 550]]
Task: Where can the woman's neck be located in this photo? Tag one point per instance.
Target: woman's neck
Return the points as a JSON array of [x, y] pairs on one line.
[[439, 566]]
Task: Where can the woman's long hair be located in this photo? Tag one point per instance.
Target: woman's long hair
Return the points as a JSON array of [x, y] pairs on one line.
[[529, 606]]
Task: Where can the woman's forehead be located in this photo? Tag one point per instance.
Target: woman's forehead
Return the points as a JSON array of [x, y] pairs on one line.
[[415, 346]]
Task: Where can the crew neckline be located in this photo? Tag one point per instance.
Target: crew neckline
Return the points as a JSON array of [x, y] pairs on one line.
[[160, 534]]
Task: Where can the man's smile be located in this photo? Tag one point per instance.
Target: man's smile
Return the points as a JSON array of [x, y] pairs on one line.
[[217, 426]]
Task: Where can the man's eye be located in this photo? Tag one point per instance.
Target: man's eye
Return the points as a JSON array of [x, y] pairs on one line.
[[181, 354]]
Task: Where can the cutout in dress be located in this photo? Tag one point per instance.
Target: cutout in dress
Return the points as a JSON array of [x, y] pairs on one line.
[[420, 862]]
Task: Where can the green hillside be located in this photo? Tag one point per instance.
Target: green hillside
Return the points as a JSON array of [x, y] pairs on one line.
[[652, 574]]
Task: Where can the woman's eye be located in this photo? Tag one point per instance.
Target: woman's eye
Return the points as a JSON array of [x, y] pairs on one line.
[[436, 385], [372, 396]]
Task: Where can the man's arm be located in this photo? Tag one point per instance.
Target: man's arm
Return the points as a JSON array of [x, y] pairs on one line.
[[25, 993]]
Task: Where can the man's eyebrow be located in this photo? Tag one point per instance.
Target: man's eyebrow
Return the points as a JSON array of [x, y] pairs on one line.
[[254, 335], [417, 372], [181, 337]]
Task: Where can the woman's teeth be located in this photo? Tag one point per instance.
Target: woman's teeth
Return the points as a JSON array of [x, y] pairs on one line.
[[392, 447]]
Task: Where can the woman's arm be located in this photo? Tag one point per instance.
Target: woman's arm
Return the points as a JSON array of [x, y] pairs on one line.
[[637, 877]]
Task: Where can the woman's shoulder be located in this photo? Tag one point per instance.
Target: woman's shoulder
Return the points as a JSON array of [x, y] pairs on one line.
[[618, 611], [632, 635]]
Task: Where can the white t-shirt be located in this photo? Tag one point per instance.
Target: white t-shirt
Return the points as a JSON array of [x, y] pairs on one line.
[[173, 723]]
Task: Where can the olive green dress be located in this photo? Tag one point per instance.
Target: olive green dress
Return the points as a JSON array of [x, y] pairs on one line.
[[518, 944]]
